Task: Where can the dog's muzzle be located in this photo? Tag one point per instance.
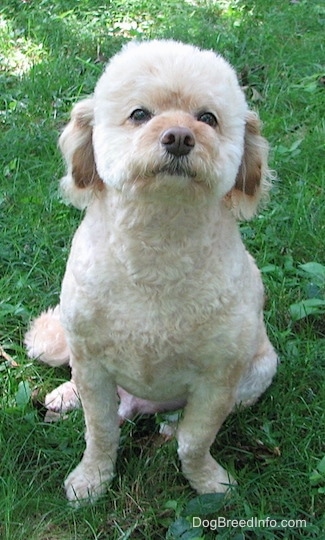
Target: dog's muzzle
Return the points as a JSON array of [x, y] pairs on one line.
[[178, 141]]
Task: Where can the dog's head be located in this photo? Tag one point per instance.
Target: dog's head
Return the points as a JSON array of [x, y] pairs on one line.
[[169, 118]]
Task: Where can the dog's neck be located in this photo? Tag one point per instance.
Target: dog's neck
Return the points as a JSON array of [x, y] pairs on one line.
[[160, 219], [152, 238]]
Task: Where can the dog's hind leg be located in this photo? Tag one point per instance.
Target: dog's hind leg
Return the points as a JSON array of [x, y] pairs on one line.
[[63, 399], [204, 413], [259, 375], [99, 401]]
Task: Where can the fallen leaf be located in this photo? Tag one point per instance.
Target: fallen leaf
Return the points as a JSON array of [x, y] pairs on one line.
[[256, 96], [9, 362], [52, 417]]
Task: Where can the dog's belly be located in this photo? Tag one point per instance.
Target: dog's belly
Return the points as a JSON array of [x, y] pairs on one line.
[[156, 339], [158, 367], [157, 359], [162, 388]]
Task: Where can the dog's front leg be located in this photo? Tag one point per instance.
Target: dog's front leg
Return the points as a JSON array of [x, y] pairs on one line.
[[204, 413], [99, 400]]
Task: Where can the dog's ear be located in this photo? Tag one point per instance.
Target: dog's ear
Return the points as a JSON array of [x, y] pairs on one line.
[[252, 181], [76, 145]]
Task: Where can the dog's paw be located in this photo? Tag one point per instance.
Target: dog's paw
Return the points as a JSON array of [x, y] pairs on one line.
[[87, 483], [214, 480], [63, 399], [168, 430]]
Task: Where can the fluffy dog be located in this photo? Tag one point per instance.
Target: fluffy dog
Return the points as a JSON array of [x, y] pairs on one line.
[[160, 296]]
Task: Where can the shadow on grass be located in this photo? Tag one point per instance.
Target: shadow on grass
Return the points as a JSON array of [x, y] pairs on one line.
[[76, 37]]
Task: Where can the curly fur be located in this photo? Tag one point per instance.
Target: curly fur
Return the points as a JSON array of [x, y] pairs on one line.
[[160, 298]]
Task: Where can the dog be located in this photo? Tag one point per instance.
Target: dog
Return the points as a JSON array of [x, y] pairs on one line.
[[46, 341], [160, 297]]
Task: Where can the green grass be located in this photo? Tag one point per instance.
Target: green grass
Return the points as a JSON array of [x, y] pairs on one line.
[[51, 54]]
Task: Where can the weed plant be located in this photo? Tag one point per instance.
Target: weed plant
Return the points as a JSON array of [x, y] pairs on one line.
[[51, 54]]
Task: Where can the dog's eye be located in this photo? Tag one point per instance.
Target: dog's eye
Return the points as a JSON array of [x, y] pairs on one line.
[[140, 116], [208, 118]]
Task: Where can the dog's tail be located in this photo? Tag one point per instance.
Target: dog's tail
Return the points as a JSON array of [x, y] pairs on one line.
[[46, 341]]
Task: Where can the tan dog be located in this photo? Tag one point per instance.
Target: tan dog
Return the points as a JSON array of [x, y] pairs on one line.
[[47, 342], [159, 295]]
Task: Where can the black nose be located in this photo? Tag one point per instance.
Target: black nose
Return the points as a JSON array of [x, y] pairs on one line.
[[178, 141]]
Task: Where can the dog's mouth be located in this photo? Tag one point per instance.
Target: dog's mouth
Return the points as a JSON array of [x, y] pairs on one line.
[[176, 166]]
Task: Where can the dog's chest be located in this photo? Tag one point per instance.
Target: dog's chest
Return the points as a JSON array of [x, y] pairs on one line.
[[148, 303], [152, 298]]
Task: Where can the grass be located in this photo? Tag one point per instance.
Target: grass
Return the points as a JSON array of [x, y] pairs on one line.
[[50, 55]]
